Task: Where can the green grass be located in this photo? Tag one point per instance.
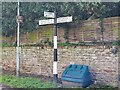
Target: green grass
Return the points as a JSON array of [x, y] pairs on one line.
[[24, 82], [7, 45], [33, 83]]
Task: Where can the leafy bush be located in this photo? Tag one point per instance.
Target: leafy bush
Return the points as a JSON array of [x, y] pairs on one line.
[[116, 43]]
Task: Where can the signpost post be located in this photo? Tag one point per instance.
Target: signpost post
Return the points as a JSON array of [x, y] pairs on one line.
[[54, 21]]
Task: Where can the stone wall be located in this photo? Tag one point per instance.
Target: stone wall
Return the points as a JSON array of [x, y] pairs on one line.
[[88, 30], [103, 65]]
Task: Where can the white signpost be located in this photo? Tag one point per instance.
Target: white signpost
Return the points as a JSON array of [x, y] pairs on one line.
[[54, 21], [49, 14], [46, 22], [59, 20], [64, 19]]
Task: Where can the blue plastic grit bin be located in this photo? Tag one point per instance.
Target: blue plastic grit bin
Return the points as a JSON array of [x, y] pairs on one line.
[[76, 75]]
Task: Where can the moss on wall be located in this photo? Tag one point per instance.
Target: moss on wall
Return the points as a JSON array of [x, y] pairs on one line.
[[32, 37], [47, 32]]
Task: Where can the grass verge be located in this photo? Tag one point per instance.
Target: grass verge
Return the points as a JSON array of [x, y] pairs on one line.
[[24, 82]]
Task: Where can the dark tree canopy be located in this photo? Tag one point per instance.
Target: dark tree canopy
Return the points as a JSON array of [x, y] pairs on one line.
[[33, 11]]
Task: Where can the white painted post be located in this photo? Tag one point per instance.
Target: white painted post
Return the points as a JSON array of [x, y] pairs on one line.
[[55, 74], [17, 48]]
